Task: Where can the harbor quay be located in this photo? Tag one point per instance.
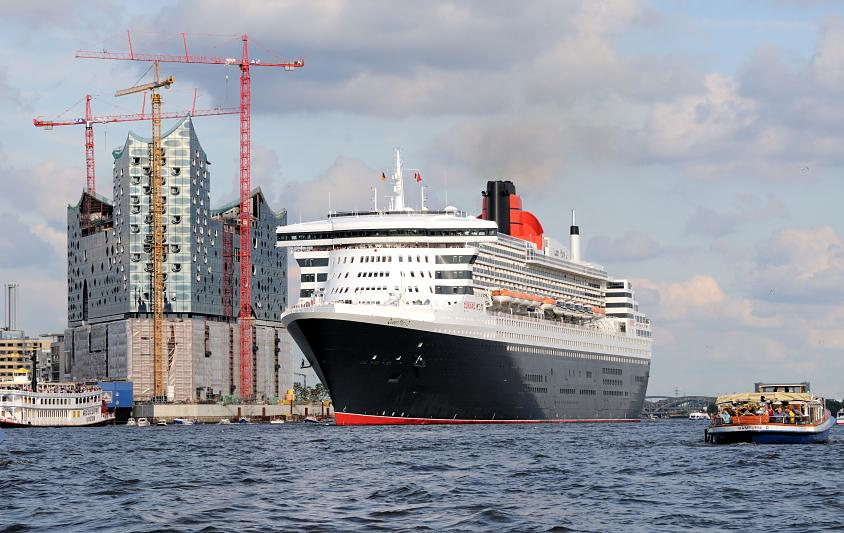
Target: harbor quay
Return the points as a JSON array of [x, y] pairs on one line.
[[214, 412]]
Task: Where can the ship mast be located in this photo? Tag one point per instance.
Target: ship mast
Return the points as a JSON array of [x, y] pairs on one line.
[[397, 199]]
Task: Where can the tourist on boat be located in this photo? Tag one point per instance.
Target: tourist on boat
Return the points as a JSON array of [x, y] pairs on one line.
[[778, 414], [791, 415], [725, 416]]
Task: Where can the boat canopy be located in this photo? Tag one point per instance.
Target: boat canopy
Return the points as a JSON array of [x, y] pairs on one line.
[[755, 397]]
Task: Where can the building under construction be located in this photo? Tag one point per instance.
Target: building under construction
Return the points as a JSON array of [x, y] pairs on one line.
[[110, 298]]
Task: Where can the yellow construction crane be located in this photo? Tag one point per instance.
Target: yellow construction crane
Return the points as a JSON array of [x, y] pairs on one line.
[[157, 227]]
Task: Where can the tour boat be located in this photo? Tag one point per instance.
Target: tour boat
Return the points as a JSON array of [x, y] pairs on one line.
[[746, 417], [26, 403], [839, 417], [698, 415]]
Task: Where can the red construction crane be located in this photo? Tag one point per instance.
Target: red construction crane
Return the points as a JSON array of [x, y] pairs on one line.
[[88, 121], [245, 63]]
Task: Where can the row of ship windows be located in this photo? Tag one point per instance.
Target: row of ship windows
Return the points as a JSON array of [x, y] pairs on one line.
[[410, 232], [577, 355], [440, 274], [643, 333], [439, 259], [497, 274], [592, 392], [57, 401], [530, 273], [544, 325], [307, 293]]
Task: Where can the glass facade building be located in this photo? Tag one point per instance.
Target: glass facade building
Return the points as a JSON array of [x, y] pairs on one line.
[[110, 243]]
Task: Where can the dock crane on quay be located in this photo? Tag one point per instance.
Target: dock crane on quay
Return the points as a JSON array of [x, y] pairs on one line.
[[157, 226], [245, 63], [89, 120]]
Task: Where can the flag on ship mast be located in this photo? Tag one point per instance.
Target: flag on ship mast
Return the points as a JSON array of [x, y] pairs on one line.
[[418, 177], [383, 177]]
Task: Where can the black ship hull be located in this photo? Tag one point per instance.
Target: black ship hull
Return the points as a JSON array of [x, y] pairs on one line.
[[390, 374]]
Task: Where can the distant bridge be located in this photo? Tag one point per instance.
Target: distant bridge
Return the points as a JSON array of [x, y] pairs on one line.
[[666, 405]]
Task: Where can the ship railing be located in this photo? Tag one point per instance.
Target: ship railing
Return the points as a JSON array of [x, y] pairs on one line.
[[536, 256]]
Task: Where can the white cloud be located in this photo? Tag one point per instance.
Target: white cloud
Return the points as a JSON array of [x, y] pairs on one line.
[[343, 185], [632, 246], [701, 298], [803, 264]]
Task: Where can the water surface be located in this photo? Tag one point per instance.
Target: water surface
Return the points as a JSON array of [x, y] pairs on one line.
[[652, 476]]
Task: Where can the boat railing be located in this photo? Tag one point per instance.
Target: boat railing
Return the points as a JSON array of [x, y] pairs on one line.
[[751, 420]]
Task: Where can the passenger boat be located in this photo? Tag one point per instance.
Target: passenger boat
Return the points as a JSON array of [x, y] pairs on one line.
[[26, 403], [839, 417], [698, 415], [777, 413]]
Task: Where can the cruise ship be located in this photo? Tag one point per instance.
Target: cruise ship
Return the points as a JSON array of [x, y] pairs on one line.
[[421, 316]]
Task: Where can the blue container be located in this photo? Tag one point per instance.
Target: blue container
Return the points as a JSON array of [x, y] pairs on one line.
[[120, 392]]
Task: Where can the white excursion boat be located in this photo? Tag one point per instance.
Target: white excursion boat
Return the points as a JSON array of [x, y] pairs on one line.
[[775, 413], [143, 422], [26, 403], [839, 416], [698, 415]]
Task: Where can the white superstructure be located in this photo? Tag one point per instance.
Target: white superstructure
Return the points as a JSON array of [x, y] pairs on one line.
[[438, 260]]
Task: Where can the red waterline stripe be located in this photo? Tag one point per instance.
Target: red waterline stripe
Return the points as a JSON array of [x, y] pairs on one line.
[[354, 419]]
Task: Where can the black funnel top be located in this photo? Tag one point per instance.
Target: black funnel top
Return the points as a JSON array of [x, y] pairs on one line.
[[498, 203]]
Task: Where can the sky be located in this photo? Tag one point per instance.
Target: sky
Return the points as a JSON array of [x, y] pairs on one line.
[[700, 142]]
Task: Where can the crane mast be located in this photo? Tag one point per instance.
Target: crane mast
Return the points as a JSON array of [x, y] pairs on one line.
[[90, 180], [245, 229], [157, 228]]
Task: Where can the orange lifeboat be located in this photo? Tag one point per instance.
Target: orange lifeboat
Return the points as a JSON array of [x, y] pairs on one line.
[[502, 297]]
